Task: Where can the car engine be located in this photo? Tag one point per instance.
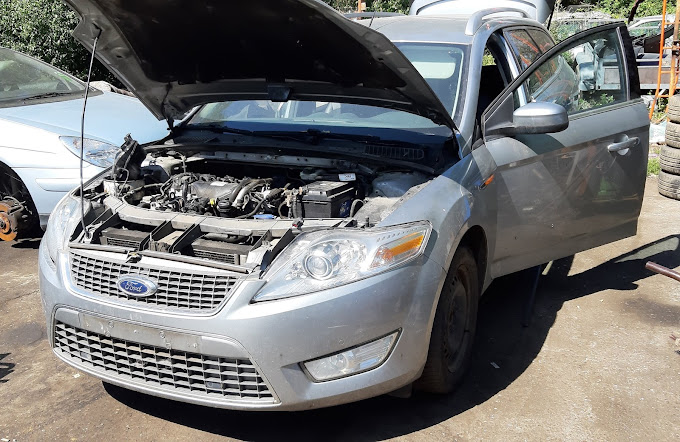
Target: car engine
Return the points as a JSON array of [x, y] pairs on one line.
[[206, 205]]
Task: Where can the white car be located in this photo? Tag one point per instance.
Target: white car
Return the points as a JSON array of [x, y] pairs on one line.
[[40, 113]]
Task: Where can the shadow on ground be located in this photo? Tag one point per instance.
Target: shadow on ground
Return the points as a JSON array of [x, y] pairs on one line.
[[28, 243], [501, 339], [5, 368]]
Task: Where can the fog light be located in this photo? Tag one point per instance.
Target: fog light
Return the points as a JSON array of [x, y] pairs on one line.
[[352, 361]]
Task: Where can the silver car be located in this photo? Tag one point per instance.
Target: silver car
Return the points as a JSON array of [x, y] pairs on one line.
[[321, 228], [40, 112]]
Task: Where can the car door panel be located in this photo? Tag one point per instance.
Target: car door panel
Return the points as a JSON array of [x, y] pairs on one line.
[[564, 192], [556, 191]]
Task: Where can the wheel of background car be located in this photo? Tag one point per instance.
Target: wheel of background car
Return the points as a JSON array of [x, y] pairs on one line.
[[673, 134], [669, 160], [14, 224], [673, 109], [453, 330], [669, 185]]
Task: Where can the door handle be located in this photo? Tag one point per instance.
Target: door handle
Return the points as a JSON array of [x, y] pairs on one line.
[[622, 146]]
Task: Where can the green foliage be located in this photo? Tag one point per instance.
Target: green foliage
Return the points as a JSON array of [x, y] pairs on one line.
[[596, 99], [371, 5], [388, 6], [621, 8], [42, 29], [343, 5], [653, 166]]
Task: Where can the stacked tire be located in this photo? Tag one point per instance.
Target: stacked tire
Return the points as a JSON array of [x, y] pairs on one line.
[[669, 156]]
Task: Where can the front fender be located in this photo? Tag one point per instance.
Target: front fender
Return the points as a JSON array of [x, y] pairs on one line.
[[454, 202]]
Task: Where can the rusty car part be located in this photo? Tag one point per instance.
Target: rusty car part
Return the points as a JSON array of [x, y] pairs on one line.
[[661, 270], [13, 218]]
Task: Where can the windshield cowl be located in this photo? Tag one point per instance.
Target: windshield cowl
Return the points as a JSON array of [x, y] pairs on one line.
[[420, 150]]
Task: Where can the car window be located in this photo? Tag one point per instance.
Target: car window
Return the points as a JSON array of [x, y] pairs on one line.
[[542, 40], [525, 49], [645, 29], [440, 65], [306, 113], [23, 77], [527, 45], [589, 75]]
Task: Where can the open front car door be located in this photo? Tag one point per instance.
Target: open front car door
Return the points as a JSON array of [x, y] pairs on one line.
[[570, 139]]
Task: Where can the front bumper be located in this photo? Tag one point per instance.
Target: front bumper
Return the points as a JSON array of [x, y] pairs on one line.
[[274, 337]]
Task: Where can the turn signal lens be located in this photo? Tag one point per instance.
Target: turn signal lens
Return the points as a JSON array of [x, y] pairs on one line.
[[399, 250]]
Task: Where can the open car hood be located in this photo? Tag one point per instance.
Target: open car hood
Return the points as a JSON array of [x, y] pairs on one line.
[[178, 54]]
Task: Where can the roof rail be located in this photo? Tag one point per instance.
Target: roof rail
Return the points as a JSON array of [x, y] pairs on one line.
[[475, 20], [368, 14]]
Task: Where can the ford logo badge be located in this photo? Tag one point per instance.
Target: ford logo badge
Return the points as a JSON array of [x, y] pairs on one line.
[[136, 286]]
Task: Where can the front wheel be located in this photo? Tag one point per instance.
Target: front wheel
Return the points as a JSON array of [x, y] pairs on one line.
[[453, 330]]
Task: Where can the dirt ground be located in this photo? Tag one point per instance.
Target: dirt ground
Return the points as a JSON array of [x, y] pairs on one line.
[[596, 363]]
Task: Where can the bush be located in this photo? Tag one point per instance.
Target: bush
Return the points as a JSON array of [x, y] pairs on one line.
[[42, 29], [371, 5]]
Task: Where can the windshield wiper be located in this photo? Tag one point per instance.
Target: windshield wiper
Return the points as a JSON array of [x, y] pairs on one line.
[[47, 95], [315, 136], [219, 128]]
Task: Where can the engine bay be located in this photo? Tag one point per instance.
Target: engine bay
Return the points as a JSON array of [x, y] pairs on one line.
[[234, 209]]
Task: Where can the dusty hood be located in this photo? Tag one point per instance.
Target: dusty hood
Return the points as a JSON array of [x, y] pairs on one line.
[[177, 54]]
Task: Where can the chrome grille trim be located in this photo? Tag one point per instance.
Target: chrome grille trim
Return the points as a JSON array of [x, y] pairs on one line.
[[178, 289], [171, 370]]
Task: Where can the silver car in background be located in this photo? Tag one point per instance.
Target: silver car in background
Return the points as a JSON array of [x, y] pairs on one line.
[[321, 229], [40, 111]]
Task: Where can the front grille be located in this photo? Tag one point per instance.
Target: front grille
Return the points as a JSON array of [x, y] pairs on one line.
[[235, 379], [183, 290]]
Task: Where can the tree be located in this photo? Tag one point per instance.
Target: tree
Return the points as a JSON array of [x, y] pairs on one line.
[[42, 29], [371, 5]]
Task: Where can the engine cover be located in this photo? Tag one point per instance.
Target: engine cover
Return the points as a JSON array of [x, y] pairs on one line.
[[213, 189]]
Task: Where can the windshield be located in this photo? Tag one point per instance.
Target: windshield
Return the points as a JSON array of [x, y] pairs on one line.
[[441, 66], [23, 77], [645, 28]]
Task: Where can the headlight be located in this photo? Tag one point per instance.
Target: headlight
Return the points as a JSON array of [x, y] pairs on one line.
[[62, 221], [97, 153], [329, 258]]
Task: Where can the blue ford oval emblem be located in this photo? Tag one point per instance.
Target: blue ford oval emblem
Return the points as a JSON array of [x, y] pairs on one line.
[[136, 286]]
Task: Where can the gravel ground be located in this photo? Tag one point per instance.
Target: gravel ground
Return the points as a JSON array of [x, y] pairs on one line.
[[596, 363]]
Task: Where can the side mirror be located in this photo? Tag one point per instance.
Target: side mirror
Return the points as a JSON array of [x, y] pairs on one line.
[[539, 118]]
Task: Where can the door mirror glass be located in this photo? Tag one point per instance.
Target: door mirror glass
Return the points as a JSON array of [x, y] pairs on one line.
[[540, 118]]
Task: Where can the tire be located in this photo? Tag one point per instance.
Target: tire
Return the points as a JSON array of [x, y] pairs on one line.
[[11, 185], [673, 134], [453, 330], [673, 109], [669, 160], [669, 185]]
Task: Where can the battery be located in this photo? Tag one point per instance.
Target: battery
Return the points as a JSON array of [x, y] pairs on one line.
[[328, 199]]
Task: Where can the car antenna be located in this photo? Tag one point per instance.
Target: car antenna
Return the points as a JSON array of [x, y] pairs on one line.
[[82, 133], [372, 17]]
